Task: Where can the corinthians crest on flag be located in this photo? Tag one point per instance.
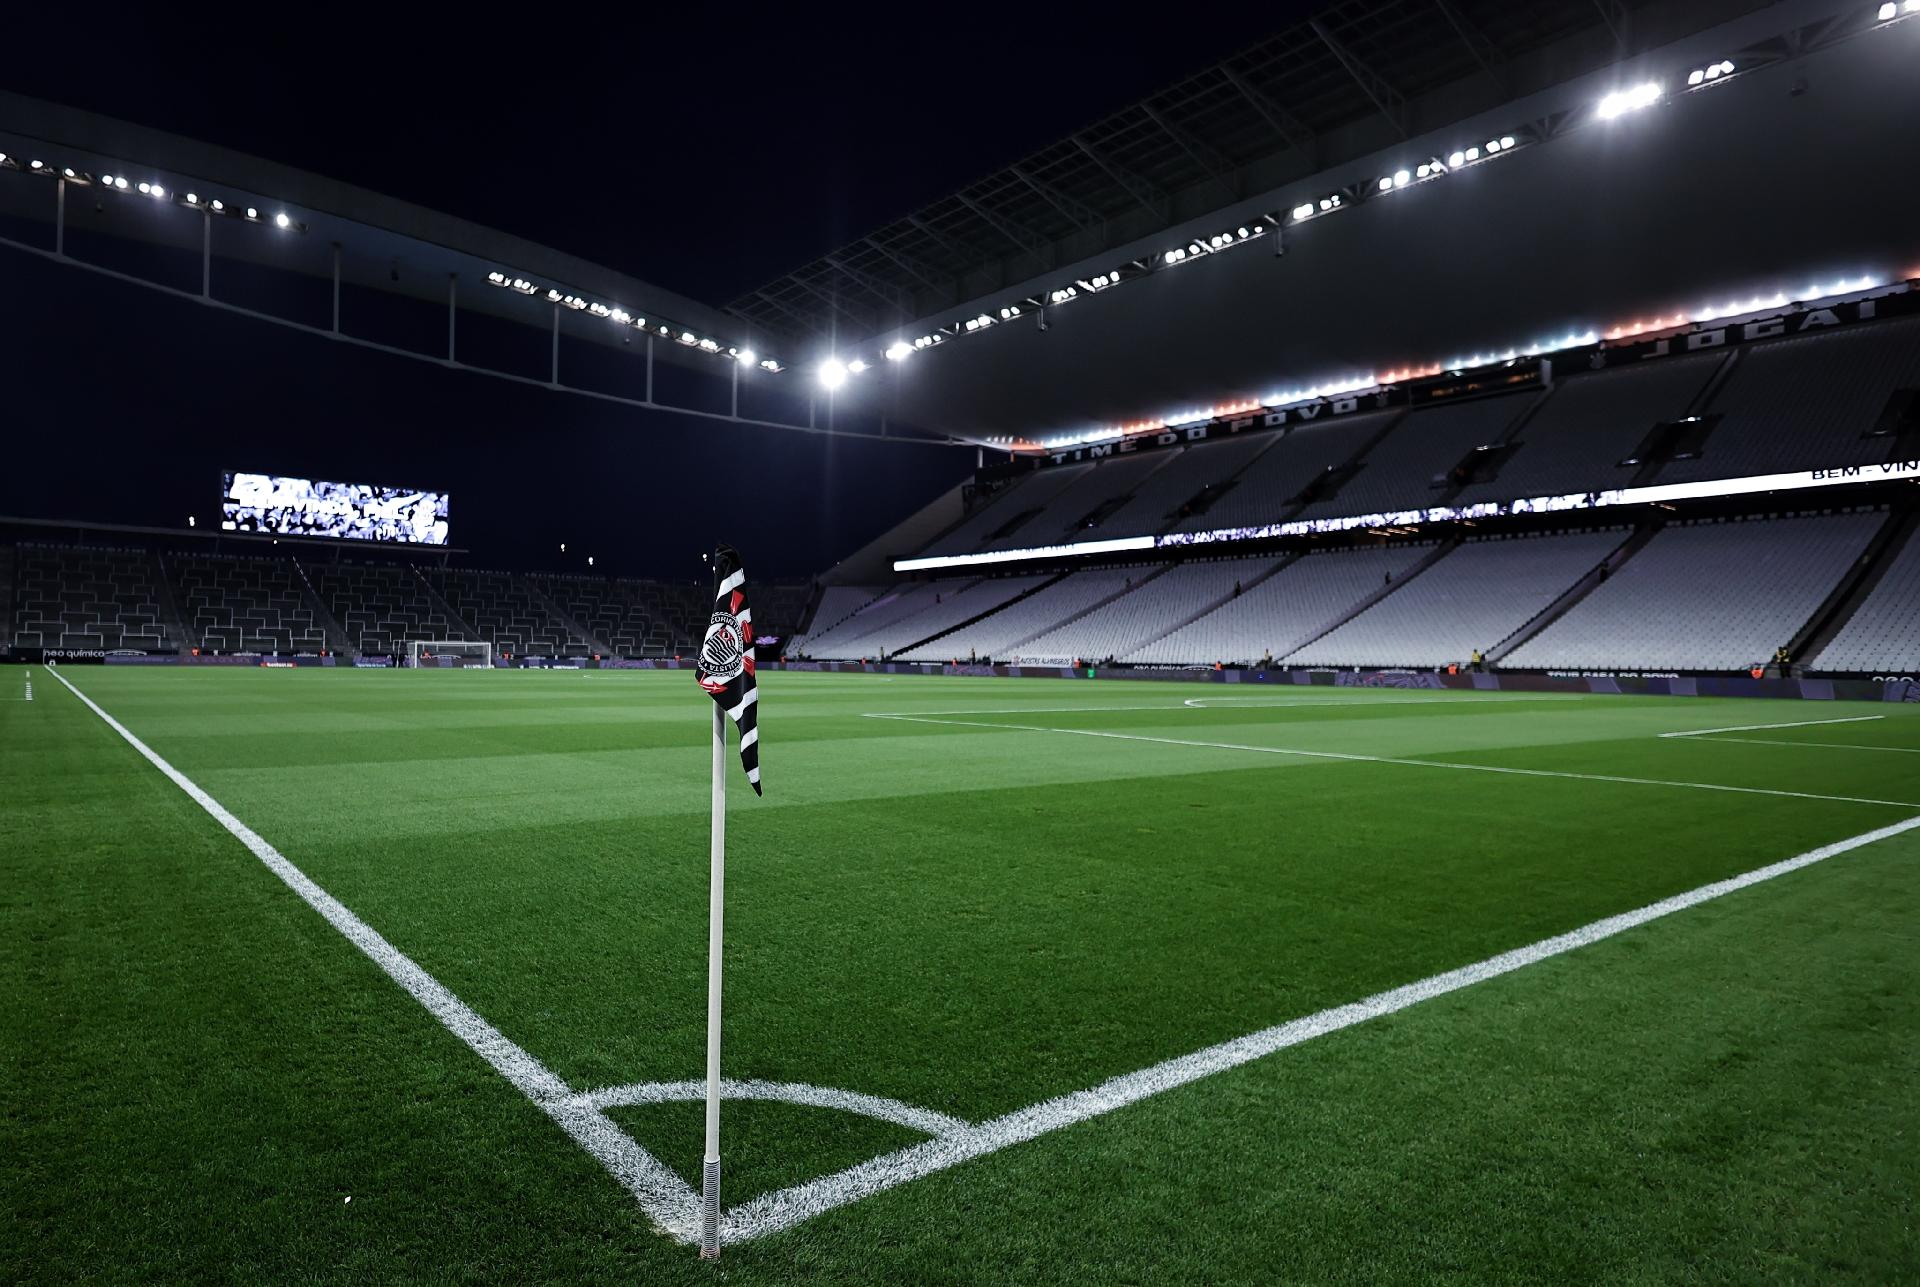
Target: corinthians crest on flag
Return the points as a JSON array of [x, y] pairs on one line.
[[725, 667]]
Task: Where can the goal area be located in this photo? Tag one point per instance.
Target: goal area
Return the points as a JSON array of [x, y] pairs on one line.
[[450, 654]]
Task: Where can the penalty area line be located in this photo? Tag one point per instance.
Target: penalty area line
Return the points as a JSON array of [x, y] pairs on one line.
[[1354, 757], [1755, 728], [773, 1212], [663, 1195]]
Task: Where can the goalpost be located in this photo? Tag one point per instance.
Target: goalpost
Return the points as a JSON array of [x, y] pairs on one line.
[[450, 654]]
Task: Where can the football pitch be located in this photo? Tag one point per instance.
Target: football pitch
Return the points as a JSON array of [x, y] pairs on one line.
[[401, 975]]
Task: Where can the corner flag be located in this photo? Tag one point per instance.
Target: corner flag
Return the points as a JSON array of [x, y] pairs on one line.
[[725, 667], [725, 671]]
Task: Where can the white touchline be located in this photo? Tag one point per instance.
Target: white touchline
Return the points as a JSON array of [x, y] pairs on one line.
[[1390, 759], [664, 1196], [773, 1212], [1754, 728]]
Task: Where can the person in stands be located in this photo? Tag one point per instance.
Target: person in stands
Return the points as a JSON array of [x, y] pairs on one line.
[[1479, 661]]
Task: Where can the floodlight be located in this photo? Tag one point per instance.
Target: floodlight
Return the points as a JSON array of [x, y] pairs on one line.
[[1401, 178], [833, 373], [281, 220], [252, 213], [1456, 158], [1887, 11], [218, 204], [193, 198], [1506, 140], [1303, 211], [900, 350], [121, 183], [856, 366], [1386, 183], [1621, 101], [157, 191]]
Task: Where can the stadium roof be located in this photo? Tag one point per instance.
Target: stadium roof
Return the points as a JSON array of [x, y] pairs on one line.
[[1357, 76]]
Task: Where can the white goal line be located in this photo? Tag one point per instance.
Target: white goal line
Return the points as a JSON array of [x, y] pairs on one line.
[[773, 1212]]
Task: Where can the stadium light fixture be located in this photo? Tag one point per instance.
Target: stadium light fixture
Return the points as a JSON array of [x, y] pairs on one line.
[[833, 374], [746, 357], [856, 366], [768, 364], [1622, 101], [281, 221], [900, 350], [1303, 210], [1711, 72], [253, 212]]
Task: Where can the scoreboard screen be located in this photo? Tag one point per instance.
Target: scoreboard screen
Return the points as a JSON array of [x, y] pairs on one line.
[[350, 511]]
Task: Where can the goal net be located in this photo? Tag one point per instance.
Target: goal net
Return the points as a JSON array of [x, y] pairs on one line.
[[450, 654]]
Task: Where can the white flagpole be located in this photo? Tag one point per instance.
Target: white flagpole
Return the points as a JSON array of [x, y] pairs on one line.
[[716, 902]]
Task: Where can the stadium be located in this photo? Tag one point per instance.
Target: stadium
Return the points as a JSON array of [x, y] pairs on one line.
[[1333, 599]]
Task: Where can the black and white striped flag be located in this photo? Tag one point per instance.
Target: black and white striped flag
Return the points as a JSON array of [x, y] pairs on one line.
[[725, 667]]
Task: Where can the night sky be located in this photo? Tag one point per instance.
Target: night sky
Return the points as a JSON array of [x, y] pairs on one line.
[[705, 151]]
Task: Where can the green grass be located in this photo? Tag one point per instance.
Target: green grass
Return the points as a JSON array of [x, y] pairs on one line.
[[198, 1069]]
